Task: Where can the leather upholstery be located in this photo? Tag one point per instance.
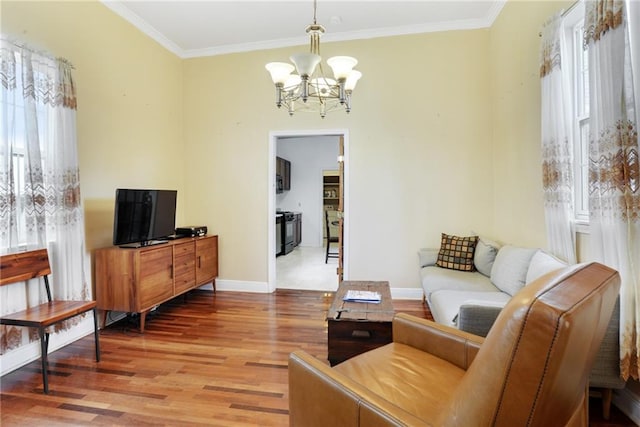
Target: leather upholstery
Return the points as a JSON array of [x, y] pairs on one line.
[[531, 369]]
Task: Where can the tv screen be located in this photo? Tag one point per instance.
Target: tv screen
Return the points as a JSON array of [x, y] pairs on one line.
[[141, 216]]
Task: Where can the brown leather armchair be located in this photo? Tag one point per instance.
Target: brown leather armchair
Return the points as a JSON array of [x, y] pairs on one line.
[[531, 369]]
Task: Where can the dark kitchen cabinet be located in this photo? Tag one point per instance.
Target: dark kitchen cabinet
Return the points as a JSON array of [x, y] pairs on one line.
[[283, 170], [286, 178]]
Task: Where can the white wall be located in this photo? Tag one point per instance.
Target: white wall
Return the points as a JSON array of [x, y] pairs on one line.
[[309, 156]]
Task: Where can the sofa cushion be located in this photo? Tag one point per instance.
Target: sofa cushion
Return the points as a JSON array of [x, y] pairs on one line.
[[435, 278], [445, 304], [456, 253], [541, 264], [427, 256], [485, 255], [510, 268]]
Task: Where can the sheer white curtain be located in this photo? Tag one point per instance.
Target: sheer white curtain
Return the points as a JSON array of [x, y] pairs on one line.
[[557, 149], [40, 202], [614, 170]]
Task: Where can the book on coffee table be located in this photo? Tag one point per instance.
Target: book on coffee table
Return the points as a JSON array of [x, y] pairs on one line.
[[362, 296]]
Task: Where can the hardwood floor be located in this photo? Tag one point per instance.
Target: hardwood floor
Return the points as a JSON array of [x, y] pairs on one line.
[[218, 360]]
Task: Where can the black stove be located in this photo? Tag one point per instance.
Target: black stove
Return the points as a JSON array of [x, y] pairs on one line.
[[288, 230], [287, 215]]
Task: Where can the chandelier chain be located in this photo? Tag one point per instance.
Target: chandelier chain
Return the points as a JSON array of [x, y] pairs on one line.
[[315, 7]]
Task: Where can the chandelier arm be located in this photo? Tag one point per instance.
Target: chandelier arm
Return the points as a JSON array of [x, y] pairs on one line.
[[305, 88], [321, 70], [279, 95], [342, 94], [314, 38]]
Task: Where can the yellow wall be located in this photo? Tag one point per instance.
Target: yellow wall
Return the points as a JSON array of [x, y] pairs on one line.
[[515, 102], [420, 153], [129, 118]]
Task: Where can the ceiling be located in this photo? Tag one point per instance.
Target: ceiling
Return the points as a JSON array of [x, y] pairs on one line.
[[204, 28]]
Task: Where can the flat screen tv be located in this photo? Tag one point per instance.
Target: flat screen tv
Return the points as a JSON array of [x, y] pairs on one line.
[[143, 217]]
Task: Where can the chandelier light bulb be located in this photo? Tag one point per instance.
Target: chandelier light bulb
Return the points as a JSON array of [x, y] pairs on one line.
[[352, 79], [305, 63], [342, 66], [280, 71]]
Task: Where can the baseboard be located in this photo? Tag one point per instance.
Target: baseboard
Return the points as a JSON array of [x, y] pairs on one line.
[[629, 403], [238, 286], [406, 293], [262, 287], [28, 353]]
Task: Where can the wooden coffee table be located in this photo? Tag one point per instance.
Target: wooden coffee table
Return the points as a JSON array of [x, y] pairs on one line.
[[356, 327]]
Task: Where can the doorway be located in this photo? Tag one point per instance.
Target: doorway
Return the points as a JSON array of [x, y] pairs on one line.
[[304, 197]]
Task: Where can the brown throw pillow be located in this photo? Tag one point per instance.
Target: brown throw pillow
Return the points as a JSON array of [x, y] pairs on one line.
[[456, 253]]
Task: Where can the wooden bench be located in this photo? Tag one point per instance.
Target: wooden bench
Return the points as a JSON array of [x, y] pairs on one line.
[[23, 266]]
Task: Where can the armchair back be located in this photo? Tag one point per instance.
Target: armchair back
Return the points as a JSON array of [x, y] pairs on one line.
[[534, 364]]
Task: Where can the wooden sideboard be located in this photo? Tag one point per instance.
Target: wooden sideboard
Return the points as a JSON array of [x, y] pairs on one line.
[[137, 280]]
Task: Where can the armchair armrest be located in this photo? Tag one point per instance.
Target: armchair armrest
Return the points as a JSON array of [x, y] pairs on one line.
[[445, 342], [320, 396], [477, 319], [427, 256]]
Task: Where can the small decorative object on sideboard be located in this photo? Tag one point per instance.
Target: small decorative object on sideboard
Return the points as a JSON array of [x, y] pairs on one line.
[[192, 231]]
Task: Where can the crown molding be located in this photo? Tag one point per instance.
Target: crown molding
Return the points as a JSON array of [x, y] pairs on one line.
[[495, 10], [245, 47], [120, 9], [469, 24]]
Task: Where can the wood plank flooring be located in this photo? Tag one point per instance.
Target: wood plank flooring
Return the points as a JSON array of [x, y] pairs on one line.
[[216, 360]]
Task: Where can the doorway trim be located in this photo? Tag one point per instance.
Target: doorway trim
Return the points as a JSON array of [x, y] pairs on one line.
[[271, 205]]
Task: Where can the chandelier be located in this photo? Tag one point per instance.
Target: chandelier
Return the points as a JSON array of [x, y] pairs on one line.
[[310, 89]]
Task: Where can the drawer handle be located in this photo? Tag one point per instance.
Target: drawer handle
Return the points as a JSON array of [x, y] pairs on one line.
[[361, 334]]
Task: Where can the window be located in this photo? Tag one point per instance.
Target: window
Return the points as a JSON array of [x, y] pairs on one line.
[[579, 76], [12, 101]]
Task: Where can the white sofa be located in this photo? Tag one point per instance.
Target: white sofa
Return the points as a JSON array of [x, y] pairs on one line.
[[459, 297]]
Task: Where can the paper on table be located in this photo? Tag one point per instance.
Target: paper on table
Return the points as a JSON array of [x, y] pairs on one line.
[[362, 296]]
